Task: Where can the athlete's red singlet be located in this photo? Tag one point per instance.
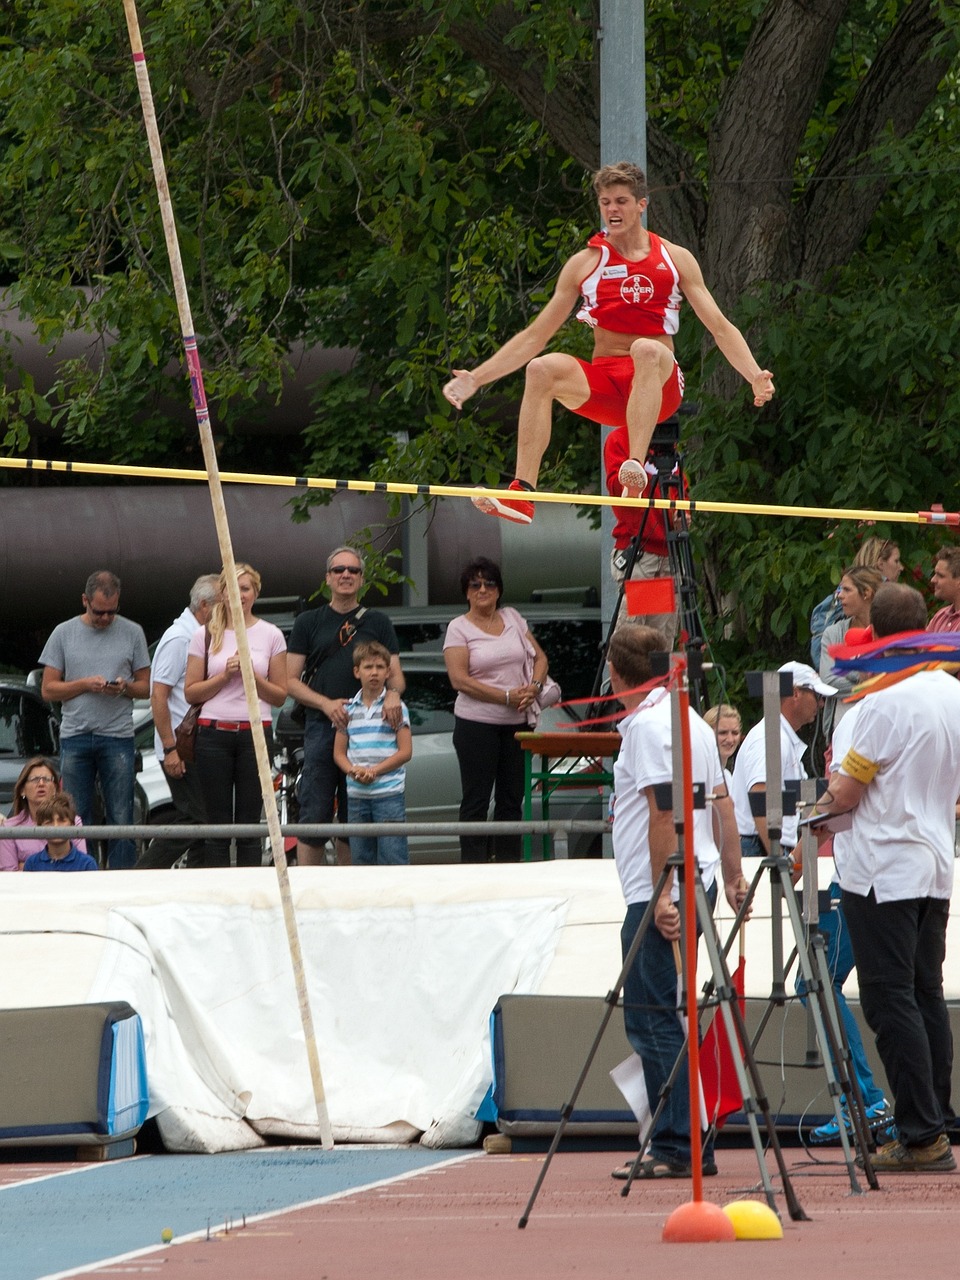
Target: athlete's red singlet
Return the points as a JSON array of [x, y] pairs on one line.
[[640, 298]]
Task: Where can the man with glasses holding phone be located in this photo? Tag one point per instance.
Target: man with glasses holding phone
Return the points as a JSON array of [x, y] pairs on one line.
[[94, 665], [320, 676]]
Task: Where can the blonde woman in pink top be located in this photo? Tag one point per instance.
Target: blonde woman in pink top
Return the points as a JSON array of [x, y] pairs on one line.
[[226, 761]]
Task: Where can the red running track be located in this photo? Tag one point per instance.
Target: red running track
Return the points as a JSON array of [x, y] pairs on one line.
[[459, 1222]]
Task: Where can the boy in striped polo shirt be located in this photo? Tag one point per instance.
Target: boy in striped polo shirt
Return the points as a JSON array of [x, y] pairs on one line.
[[372, 756]]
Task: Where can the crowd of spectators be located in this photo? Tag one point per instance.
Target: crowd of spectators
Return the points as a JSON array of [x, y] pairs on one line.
[[97, 663]]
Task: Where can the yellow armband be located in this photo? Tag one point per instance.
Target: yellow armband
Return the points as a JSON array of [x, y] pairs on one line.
[[859, 767]]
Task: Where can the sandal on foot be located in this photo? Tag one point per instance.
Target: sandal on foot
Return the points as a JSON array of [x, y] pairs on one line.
[[655, 1167]]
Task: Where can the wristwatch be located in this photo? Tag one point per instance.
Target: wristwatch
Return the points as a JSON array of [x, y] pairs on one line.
[[538, 683]]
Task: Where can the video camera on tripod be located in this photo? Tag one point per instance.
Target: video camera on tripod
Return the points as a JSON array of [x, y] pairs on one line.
[[667, 481]]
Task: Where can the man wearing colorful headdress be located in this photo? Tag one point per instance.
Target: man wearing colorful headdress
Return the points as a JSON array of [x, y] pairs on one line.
[[899, 778]]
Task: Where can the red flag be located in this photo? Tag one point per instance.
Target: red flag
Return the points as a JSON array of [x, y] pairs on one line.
[[650, 595], [718, 1073]]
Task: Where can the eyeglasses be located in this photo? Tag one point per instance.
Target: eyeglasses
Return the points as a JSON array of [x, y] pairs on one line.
[[41, 778], [104, 613], [476, 583], [344, 568]]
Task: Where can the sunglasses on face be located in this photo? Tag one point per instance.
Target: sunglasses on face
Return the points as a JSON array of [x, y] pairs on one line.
[[344, 568], [104, 613], [476, 583]]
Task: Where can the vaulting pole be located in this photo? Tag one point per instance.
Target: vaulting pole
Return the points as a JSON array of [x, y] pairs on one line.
[[229, 564]]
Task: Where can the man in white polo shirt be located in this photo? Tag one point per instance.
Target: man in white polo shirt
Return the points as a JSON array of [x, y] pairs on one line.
[[750, 772], [644, 838], [169, 706], [900, 779]]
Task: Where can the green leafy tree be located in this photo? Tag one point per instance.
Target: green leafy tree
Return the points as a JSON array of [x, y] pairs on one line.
[[404, 182]]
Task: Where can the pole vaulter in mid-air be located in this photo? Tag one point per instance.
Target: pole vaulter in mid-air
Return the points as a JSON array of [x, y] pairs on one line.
[[630, 283]]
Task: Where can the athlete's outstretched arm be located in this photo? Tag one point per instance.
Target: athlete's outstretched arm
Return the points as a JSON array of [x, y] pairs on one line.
[[733, 345], [529, 342]]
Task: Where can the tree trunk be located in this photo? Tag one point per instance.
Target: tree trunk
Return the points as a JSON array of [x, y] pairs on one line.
[[833, 216], [755, 140]]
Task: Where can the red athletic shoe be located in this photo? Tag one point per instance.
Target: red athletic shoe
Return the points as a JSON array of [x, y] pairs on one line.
[[517, 510]]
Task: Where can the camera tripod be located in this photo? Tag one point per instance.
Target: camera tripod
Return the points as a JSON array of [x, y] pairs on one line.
[[833, 1055], [668, 484]]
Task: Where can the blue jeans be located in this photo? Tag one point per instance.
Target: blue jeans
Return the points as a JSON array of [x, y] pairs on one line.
[[84, 758], [384, 851], [654, 1031], [752, 847], [321, 782], [839, 951]]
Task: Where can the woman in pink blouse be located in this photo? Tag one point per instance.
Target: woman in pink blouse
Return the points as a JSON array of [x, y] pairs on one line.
[[497, 668], [226, 761], [39, 780]]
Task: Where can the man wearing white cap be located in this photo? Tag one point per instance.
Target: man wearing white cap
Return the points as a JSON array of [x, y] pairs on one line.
[[750, 773]]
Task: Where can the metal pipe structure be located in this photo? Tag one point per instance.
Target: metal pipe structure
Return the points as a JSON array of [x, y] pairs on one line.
[[159, 537], [328, 831]]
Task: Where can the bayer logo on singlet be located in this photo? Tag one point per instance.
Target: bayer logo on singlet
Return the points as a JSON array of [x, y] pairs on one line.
[[636, 289]]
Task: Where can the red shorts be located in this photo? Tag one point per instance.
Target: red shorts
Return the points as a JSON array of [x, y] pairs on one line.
[[610, 379]]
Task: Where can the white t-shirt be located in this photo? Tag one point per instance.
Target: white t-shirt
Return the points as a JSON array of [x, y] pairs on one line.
[[751, 770], [646, 759], [905, 743]]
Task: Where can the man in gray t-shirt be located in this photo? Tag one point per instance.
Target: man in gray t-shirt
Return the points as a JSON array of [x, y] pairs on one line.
[[95, 665]]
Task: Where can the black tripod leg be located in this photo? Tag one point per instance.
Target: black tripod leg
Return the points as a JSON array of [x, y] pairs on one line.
[[822, 1007], [611, 999], [840, 1048], [684, 577]]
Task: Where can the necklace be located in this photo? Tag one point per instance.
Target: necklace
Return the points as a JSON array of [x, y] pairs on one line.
[[492, 625]]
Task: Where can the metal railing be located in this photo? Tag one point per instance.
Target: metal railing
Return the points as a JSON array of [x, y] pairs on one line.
[[560, 829]]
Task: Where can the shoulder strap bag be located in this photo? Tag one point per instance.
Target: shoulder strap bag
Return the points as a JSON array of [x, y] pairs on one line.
[[185, 735], [299, 712]]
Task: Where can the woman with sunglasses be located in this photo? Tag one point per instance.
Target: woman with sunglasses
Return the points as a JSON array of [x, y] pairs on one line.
[[487, 652], [39, 780], [226, 761]]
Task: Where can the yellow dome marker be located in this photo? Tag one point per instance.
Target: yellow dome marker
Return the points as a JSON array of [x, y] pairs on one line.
[[753, 1220]]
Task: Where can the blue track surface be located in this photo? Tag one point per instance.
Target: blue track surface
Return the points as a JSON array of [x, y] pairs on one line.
[[104, 1210]]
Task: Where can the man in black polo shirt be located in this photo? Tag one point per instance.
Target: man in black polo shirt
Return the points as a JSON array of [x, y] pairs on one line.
[[321, 648]]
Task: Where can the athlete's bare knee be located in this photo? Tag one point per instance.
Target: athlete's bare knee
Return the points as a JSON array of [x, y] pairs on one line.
[[543, 375], [646, 355]]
